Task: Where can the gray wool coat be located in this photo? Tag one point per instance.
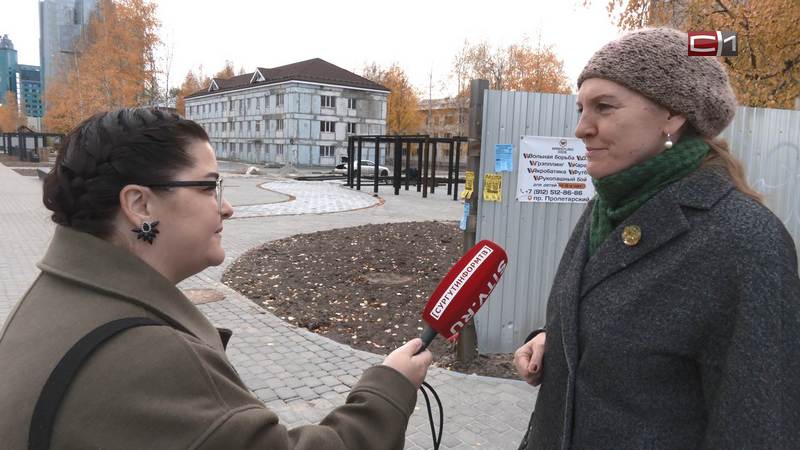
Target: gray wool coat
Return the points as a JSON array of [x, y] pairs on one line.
[[688, 339]]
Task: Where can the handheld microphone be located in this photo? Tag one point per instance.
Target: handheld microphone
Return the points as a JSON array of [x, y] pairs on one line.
[[463, 291]]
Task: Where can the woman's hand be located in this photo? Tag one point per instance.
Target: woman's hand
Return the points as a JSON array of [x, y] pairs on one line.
[[414, 367], [528, 359]]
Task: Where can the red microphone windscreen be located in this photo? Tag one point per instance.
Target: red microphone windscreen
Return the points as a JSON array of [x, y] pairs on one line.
[[465, 288]]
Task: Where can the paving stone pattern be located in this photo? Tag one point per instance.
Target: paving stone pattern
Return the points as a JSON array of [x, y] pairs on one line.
[[299, 375]]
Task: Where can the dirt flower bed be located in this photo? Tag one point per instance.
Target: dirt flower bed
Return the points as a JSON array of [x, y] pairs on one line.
[[364, 286]]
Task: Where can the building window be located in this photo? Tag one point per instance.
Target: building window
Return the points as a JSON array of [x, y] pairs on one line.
[[248, 125], [351, 103], [279, 124], [327, 127], [325, 150], [266, 101], [258, 103], [351, 128], [230, 105], [279, 149], [224, 126], [258, 125], [249, 103], [327, 101], [279, 100]]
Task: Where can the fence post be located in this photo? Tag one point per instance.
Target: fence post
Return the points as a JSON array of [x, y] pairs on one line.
[[456, 170], [358, 175], [426, 164], [420, 151], [434, 149], [467, 348], [398, 163], [350, 155], [450, 167], [408, 161], [375, 171]]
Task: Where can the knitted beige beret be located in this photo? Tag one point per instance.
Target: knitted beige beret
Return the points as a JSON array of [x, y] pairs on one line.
[[655, 63]]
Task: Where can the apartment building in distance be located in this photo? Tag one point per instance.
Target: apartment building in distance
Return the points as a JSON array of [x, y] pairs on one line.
[[445, 117], [300, 113]]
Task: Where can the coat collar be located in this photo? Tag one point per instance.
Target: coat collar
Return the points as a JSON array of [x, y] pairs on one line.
[[102, 266], [660, 219]]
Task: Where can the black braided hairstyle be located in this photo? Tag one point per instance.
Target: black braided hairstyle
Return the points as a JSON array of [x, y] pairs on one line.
[[108, 151]]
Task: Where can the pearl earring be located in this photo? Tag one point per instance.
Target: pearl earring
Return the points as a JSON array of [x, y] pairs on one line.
[[668, 143]]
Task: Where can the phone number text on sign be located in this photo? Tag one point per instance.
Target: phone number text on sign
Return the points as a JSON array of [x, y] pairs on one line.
[[553, 169]]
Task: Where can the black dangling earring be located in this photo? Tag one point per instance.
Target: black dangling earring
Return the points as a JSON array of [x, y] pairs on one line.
[[147, 232]]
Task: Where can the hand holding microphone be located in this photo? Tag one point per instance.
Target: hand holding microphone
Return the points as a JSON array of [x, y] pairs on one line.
[[452, 305], [410, 361], [463, 290]]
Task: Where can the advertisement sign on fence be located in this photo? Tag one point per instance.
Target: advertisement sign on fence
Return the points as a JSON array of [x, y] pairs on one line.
[[553, 169]]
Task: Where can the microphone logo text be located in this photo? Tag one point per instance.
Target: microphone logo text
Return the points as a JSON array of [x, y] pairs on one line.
[[460, 281]]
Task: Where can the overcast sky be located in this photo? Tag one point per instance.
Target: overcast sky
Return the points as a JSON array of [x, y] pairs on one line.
[[422, 36]]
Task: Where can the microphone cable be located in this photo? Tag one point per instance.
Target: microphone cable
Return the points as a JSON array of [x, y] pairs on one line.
[[437, 439]]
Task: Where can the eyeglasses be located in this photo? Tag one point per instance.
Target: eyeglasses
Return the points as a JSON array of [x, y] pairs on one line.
[[207, 183]]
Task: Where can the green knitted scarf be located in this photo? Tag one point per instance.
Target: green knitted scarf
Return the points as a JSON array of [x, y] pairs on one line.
[[620, 194]]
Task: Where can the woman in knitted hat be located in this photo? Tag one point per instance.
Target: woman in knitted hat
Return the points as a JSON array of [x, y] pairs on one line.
[[674, 318]]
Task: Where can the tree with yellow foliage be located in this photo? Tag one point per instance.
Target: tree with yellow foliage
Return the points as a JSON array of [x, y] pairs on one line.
[[11, 115], [191, 84], [518, 67], [766, 71], [198, 81], [113, 65], [227, 71], [401, 116]]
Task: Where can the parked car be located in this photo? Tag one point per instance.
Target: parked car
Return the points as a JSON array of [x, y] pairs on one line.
[[367, 168]]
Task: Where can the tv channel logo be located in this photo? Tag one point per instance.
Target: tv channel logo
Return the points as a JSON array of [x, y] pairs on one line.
[[713, 43]]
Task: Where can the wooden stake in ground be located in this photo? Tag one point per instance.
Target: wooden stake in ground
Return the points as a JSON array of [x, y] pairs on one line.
[[467, 347]]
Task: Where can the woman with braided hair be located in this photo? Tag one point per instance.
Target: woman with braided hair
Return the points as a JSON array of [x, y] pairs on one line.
[[104, 351], [674, 317]]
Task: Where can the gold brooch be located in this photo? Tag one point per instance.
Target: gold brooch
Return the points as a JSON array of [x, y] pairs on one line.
[[631, 235]]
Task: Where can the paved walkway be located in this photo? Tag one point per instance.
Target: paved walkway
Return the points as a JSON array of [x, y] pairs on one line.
[[298, 374]]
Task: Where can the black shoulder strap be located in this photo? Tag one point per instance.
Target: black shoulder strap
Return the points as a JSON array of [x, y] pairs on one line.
[[57, 384]]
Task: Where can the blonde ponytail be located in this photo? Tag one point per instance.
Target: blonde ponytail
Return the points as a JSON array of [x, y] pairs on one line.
[[720, 155]]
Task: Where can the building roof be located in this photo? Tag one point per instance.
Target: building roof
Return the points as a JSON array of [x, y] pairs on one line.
[[29, 73], [5, 43], [233, 82], [313, 70]]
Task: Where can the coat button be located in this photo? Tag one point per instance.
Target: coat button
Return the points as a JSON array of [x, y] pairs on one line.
[[631, 235]]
